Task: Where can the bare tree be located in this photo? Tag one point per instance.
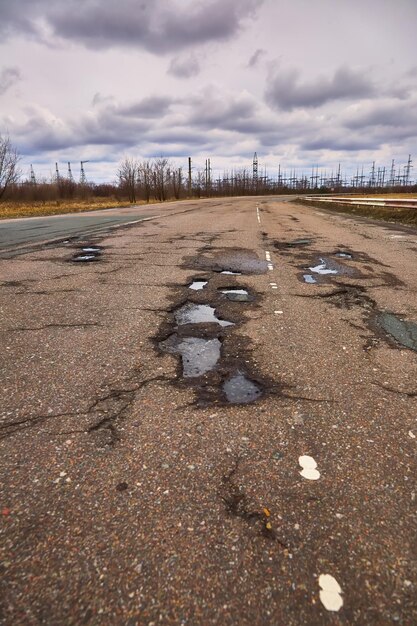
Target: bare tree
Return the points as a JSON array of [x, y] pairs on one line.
[[128, 177], [161, 175], [9, 169], [145, 178], [177, 182]]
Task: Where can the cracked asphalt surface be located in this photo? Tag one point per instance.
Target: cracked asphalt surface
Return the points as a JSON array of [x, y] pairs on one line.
[[132, 496]]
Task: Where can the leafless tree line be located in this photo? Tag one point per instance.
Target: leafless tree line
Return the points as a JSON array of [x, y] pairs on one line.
[[156, 179]]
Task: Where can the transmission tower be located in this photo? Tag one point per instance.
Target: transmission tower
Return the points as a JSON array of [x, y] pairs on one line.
[[70, 176], [32, 175], [57, 177], [408, 170], [83, 178], [255, 169]]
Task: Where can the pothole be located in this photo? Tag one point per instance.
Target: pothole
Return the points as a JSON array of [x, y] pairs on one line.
[[344, 255], [402, 331], [198, 285], [230, 273], [323, 268], [198, 355], [85, 258], [236, 295], [198, 314], [239, 389], [234, 261], [308, 278], [92, 249]]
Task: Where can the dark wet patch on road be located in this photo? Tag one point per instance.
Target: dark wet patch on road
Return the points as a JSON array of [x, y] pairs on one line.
[[404, 332], [295, 243]]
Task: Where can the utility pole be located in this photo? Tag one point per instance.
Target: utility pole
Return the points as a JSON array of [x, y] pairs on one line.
[[392, 174], [57, 173], [189, 177], [255, 172], [32, 175], [408, 170]]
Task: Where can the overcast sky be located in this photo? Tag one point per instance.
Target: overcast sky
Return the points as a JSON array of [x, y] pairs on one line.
[[301, 82]]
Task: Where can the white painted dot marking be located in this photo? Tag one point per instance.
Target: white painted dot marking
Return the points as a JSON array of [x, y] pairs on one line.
[[330, 592], [258, 215], [309, 470], [267, 255], [278, 312], [270, 267], [411, 434], [274, 287]]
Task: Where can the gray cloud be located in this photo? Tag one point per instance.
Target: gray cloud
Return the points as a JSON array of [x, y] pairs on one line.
[[285, 91], [9, 76], [184, 67], [256, 57], [156, 25], [393, 114]]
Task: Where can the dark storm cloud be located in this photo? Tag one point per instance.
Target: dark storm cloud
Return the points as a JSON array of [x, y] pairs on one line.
[[184, 68], [156, 25], [285, 90], [9, 76], [151, 107], [393, 114]]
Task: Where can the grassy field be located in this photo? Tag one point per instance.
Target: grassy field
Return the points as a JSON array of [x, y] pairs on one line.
[[10, 210]]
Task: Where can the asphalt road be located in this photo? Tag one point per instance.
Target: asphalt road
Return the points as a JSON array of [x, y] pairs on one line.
[[17, 233], [133, 495]]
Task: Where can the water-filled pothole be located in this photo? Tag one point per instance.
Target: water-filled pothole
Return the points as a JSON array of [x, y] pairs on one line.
[[344, 255], [85, 258], [91, 249], [230, 273], [323, 268], [239, 389], [198, 355], [236, 295], [197, 285], [308, 278], [403, 332], [198, 314]]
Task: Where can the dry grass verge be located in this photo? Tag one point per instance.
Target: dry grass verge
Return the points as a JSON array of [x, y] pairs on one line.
[[387, 214]]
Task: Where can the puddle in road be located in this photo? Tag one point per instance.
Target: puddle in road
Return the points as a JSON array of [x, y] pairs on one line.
[[241, 390], [198, 355], [236, 295], [198, 314], [92, 249], [323, 268], [85, 258], [344, 255], [197, 285], [308, 278], [297, 243], [403, 332], [229, 273]]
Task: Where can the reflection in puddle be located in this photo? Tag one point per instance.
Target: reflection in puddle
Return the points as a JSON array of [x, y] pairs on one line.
[[198, 314], [197, 285], [308, 278], [229, 273], [236, 295], [85, 258], [240, 390], [92, 249], [322, 268], [199, 356], [344, 255], [403, 332]]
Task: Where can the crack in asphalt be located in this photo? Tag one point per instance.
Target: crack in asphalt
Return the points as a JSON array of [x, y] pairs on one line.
[[238, 505], [28, 328]]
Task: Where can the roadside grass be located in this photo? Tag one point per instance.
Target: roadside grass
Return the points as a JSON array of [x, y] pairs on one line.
[[387, 214], [9, 210]]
